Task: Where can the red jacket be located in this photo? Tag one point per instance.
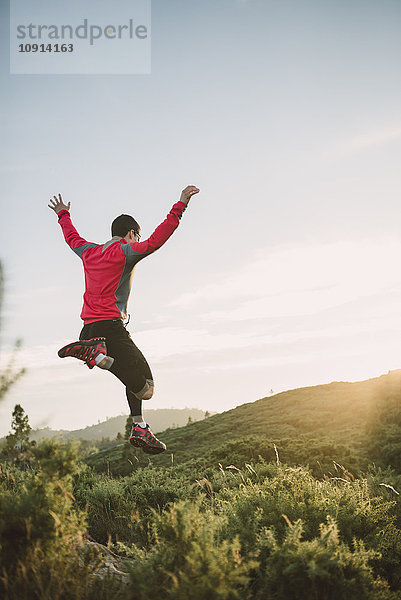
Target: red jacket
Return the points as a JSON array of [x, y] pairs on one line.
[[109, 267]]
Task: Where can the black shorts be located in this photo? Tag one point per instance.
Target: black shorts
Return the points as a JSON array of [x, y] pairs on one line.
[[130, 365]]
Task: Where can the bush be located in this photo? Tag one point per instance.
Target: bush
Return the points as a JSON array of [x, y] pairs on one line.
[[118, 508], [42, 549], [188, 560], [319, 569], [194, 532], [297, 494]]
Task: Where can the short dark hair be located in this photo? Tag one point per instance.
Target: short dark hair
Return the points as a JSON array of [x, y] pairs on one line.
[[123, 224]]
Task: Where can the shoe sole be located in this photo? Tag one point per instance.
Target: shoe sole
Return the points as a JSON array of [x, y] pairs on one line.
[[139, 443], [91, 342], [150, 450]]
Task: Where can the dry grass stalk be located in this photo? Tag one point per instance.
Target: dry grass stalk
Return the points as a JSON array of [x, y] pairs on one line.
[[277, 456]]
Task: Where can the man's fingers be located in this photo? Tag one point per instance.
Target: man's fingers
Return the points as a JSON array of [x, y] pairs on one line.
[[190, 190], [56, 201]]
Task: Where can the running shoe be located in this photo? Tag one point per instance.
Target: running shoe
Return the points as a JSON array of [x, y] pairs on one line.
[[142, 437], [86, 350]]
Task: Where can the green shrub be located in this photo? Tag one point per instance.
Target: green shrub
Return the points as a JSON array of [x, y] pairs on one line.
[[42, 550], [247, 502], [42, 510], [188, 560], [296, 493], [199, 531], [318, 569], [118, 508]]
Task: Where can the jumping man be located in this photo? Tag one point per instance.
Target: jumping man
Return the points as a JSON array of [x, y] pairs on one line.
[[104, 341]]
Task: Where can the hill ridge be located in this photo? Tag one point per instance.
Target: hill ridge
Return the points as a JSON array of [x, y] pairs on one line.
[[174, 417], [335, 412]]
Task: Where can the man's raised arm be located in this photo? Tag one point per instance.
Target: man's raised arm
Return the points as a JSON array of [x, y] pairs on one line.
[[162, 233], [71, 235]]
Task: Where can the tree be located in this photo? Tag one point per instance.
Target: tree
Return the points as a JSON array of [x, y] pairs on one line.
[[128, 427], [18, 439]]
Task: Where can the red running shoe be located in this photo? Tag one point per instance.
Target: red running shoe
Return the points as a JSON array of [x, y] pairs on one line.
[[86, 350], [142, 437]]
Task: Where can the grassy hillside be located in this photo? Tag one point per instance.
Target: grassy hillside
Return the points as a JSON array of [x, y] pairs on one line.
[[217, 523], [316, 420]]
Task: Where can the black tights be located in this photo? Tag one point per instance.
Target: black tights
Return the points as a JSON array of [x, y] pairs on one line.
[[129, 364]]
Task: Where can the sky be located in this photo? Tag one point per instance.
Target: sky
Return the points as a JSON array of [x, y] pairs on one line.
[[284, 271]]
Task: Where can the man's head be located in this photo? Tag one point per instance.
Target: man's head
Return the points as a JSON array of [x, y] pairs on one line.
[[123, 224]]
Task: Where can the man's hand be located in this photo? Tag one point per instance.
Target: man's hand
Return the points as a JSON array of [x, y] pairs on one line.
[[57, 204], [187, 194]]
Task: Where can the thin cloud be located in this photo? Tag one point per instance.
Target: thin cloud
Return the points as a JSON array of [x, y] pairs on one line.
[[365, 141], [296, 280], [162, 344], [289, 292]]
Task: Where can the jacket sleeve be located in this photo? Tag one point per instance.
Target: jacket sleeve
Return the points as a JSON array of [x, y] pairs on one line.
[[160, 235], [71, 235]]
